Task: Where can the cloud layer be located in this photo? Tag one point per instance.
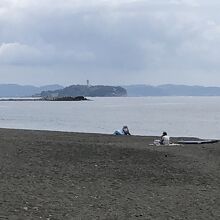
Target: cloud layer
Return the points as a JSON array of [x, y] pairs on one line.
[[110, 42]]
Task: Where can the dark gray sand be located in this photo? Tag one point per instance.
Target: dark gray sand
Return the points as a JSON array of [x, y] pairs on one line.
[[57, 175]]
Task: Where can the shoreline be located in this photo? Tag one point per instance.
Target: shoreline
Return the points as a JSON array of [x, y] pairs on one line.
[[175, 138], [71, 175]]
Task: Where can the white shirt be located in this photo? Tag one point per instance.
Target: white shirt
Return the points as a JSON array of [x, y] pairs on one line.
[[165, 140]]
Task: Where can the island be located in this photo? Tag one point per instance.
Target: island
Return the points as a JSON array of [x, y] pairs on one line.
[[85, 90]]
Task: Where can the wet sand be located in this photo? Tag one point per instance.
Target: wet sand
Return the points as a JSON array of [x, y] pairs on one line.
[[58, 175]]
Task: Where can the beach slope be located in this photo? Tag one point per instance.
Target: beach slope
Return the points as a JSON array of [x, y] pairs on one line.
[[60, 175]]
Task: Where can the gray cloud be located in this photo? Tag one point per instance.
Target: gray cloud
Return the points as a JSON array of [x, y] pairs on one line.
[[110, 42]]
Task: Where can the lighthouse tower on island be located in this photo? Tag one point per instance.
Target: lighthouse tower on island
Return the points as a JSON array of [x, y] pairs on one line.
[[87, 83]]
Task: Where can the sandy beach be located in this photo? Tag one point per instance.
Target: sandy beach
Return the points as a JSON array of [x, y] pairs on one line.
[[62, 175]]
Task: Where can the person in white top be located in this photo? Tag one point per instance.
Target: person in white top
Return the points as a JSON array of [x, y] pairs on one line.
[[164, 139]]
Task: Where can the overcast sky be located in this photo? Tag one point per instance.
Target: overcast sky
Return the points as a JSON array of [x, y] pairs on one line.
[[111, 42]]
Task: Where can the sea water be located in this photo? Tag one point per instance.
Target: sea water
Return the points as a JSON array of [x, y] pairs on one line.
[[179, 116]]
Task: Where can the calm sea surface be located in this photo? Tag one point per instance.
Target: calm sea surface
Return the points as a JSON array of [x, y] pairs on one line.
[[179, 116]]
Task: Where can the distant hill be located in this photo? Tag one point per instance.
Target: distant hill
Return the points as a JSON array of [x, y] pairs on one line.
[[171, 90], [83, 90], [14, 90]]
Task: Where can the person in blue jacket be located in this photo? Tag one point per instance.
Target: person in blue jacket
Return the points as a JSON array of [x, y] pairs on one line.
[[123, 131]]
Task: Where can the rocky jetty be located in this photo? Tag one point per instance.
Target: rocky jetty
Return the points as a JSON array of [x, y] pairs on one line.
[[66, 98]]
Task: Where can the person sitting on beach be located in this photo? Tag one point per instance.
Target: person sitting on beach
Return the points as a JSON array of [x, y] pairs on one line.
[[164, 139], [123, 131]]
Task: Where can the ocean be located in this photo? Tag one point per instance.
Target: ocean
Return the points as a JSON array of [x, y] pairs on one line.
[[179, 116]]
